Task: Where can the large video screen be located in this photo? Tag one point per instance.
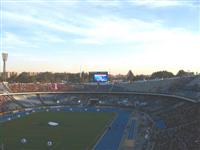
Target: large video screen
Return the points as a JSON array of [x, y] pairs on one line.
[[101, 77]]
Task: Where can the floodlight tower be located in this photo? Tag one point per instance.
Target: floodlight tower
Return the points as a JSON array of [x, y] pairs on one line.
[[4, 57]]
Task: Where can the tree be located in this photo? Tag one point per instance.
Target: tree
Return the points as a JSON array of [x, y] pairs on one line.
[[74, 77], [161, 74], [58, 77], [1, 78], [141, 77], [12, 78], [182, 73], [23, 77], [84, 77], [110, 77], [45, 77], [130, 76]]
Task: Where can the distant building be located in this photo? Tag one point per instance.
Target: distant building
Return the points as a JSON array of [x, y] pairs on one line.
[[8, 74], [33, 73]]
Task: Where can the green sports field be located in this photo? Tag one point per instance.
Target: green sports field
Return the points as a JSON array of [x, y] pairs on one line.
[[76, 130]]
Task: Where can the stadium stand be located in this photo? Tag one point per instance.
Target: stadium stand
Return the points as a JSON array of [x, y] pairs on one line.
[[181, 86], [38, 87], [178, 128], [163, 123], [2, 88]]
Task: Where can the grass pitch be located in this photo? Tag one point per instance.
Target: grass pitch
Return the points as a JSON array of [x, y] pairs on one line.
[[76, 130]]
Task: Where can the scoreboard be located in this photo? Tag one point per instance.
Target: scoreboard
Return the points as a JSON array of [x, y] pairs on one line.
[[98, 76]]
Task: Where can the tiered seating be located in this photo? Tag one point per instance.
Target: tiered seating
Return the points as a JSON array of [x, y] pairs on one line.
[[180, 129], [160, 124], [23, 100], [48, 99], [38, 87], [180, 86], [3, 88], [4, 102]]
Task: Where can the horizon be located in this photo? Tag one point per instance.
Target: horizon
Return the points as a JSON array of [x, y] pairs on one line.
[[135, 74], [114, 36]]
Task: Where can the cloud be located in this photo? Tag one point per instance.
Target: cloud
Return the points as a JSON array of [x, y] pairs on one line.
[[59, 26], [159, 46], [118, 30], [156, 3], [11, 40], [104, 30], [45, 37], [164, 3], [104, 3], [132, 40]]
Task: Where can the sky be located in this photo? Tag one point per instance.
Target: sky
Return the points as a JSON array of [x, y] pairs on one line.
[[101, 35]]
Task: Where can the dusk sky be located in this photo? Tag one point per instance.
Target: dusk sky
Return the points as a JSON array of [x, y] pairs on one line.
[[101, 35]]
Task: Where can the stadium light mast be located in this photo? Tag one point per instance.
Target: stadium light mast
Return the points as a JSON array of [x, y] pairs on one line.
[[80, 72], [5, 58]]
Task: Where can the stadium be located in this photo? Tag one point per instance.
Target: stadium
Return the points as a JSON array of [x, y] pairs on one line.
[[151, 115], [100, 75]]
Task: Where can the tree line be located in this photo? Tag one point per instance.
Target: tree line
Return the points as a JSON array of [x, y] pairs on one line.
[[44, 77], [47, 77], [157, 75]]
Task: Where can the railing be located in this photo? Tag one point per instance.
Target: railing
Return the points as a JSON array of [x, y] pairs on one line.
[[107, 93]]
